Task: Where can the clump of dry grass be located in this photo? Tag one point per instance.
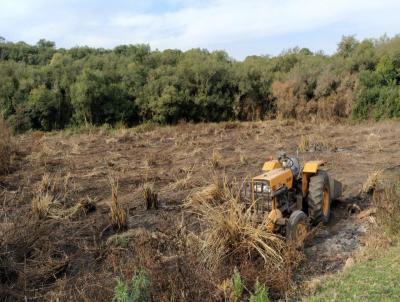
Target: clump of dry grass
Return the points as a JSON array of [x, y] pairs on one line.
[[46, 184], [149, 162], [41, 204], [216, 159], [387, 201], [243, 159], [185, 181], [312, 143], [45, 205], [232, 232], [372, 181], [373, 142], [5, 147], [118, 215], [150, 196], [82, 207]]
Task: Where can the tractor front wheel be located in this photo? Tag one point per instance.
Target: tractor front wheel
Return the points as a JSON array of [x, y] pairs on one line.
[[297, 229]]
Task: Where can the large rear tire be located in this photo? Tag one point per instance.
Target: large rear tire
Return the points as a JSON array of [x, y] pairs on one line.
[[297, 229], [318, 198]]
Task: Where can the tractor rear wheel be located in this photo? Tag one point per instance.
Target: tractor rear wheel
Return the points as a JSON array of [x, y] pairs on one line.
[[297, 229], [318, 198]]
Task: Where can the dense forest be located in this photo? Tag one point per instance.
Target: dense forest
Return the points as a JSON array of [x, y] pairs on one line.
[[44, 87]]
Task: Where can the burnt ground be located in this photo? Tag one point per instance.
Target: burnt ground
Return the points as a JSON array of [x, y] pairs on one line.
[[80, 257]]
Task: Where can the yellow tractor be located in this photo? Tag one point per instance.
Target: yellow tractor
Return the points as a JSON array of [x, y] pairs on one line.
[[291, 198]]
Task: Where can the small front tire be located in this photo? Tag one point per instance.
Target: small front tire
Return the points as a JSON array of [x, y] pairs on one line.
[[297, 229]]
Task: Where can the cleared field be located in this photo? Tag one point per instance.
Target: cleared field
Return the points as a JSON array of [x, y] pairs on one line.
[[70, 251]]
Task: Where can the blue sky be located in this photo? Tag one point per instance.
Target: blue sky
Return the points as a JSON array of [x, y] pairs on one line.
[[238, 26]]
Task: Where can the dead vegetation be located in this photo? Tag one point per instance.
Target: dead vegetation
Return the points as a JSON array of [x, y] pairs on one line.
[[150, 196], [315, 142], [233, 237], [216, 159], [232, 230], [372, 181], [387, 201], [51, 196], [118, 215]]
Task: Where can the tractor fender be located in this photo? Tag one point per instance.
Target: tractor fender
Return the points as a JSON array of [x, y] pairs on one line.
[[312, 166]]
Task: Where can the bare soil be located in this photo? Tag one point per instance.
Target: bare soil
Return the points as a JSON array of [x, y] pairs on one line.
[[79, 257]]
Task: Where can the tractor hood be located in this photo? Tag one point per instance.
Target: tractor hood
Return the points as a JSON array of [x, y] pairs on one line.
[[276, 178]]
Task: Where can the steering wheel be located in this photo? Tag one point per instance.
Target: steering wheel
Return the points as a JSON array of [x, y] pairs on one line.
[[285, 160]]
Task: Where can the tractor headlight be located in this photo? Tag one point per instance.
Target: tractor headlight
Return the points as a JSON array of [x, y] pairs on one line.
[[258, 188], [262, 188]]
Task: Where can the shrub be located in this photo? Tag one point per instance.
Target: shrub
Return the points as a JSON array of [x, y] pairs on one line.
[[5, 147], [260, 293], [138, 291], [237, 285]]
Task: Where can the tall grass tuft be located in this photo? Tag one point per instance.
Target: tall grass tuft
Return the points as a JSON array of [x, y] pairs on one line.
[[118, 214], [372, 181], [41, 204], [150, 196], [387, 202]]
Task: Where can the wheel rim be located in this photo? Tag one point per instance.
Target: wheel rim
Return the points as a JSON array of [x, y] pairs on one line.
[[300, 234], [325, 203]]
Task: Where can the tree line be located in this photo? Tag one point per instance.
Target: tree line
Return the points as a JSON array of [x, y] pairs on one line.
[[47, 88]]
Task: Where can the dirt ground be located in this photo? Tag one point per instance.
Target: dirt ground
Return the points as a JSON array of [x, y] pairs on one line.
[[79, 257]]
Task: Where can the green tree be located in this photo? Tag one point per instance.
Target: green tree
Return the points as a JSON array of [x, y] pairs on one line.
[[44, 108]]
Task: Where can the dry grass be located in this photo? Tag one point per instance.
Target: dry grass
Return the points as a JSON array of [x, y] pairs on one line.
[[372, 181], [216, 159], [118, 214], [373, 142], [387, 201], [44, 205], [312, 143], [41, 205], [232, 232], [186, 180], [150, 196], [5, 147]]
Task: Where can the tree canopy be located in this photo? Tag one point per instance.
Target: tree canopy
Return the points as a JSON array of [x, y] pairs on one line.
[[45, 87]]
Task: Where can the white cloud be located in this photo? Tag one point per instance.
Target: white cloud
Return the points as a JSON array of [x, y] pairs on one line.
[[207, 24]]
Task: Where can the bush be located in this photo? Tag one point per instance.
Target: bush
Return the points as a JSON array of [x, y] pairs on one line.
[[260, 293], [137, 291], [5, 147]]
